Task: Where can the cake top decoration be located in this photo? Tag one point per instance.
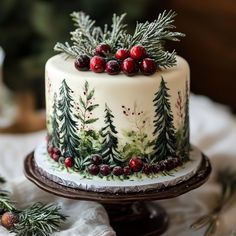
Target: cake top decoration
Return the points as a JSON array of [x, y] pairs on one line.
[[113, 49]]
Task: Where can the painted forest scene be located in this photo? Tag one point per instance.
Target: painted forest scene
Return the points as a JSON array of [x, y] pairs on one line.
[[76, 146]]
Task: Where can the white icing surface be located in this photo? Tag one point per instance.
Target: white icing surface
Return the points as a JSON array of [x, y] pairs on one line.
[[116, 91], [51, 170]]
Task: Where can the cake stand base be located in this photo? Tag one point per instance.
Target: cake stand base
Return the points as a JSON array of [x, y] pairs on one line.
[[131, 214], [137, 219]]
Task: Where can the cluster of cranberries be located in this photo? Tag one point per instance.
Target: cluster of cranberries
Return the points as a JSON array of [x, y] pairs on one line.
[[135, 165], [55, 153], [127, 61]]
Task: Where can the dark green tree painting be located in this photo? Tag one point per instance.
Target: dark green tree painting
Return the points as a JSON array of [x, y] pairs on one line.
[[109, 148], [69, 138], [55, 124], [165, 141], [186, 139]]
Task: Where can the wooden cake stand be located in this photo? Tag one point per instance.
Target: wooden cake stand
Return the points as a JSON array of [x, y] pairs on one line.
[[131, 214]]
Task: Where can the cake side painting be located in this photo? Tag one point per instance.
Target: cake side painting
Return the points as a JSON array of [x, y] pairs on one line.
[[118, 120]]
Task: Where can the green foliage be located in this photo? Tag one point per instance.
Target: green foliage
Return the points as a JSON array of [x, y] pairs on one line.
[[69, 137], [109, 149], [39, 220], [138, 144], [89, 144], [165, 141], [152, 36], [5, 202]]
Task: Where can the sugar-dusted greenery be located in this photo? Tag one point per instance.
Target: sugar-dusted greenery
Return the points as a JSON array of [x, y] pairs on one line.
[[151, 35], [39, 220]]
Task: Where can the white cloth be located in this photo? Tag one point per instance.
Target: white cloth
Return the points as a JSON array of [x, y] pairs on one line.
[[213, 130]]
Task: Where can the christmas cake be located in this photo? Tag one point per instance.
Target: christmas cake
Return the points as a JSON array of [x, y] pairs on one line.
[[117, 109]]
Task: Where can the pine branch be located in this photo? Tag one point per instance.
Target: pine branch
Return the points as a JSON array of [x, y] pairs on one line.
[[2, 180], [151, 35], [5, 203], [118, 31], [39, 220]]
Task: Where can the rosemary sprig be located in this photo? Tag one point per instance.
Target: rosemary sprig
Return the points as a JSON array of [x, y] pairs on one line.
[[39, 220], [227, 180], [151, 35]]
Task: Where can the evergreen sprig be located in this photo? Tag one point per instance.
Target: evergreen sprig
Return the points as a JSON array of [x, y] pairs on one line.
[[5, 202], [39, 220], [151, 35]]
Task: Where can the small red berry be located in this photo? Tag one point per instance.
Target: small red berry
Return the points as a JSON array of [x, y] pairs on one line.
[[127, 170], [148, 66], [96, 159], [129, 66], [113, 67], [122, 54], [135, 163], [97, 64], [56, 151], [105, 170], [103, 49], [93, 169], [8, 220], [82, 63], [55, 157], [50, 150], [117, 170], [147, 169], [137, 52], [68, 162]]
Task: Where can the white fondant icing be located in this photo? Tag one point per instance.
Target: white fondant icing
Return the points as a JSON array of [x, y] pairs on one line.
[[52, 170], [116, 91]]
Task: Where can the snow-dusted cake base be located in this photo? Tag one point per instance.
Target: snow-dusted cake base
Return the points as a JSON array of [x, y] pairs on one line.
[[52, 170]]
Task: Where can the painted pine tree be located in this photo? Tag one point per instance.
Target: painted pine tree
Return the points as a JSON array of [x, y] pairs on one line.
[[69, 137], [186, 133], [55, 139], [110, 142], [165, 141]]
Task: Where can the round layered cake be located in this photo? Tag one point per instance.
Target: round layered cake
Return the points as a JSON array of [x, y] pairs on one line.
[[122, 125]]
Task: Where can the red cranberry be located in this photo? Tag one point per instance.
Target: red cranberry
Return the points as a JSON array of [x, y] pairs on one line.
[[93, 169], [156, 168], [135, 163], [137, 52], [97, 64], [50, 150], [147, 169], [148, 66], [56, 151], [55, 157], [113, 67], [129, 66], [105, 170], [82, 62], [96, 159], [103, 49], [122, 54], [68, 162], [118, 170], [127, 170]]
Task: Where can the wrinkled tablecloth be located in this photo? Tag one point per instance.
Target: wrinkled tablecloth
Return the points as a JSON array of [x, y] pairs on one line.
[[213, 130]]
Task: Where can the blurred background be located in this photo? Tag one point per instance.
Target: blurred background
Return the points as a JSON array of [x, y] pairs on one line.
[[29, 30]]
